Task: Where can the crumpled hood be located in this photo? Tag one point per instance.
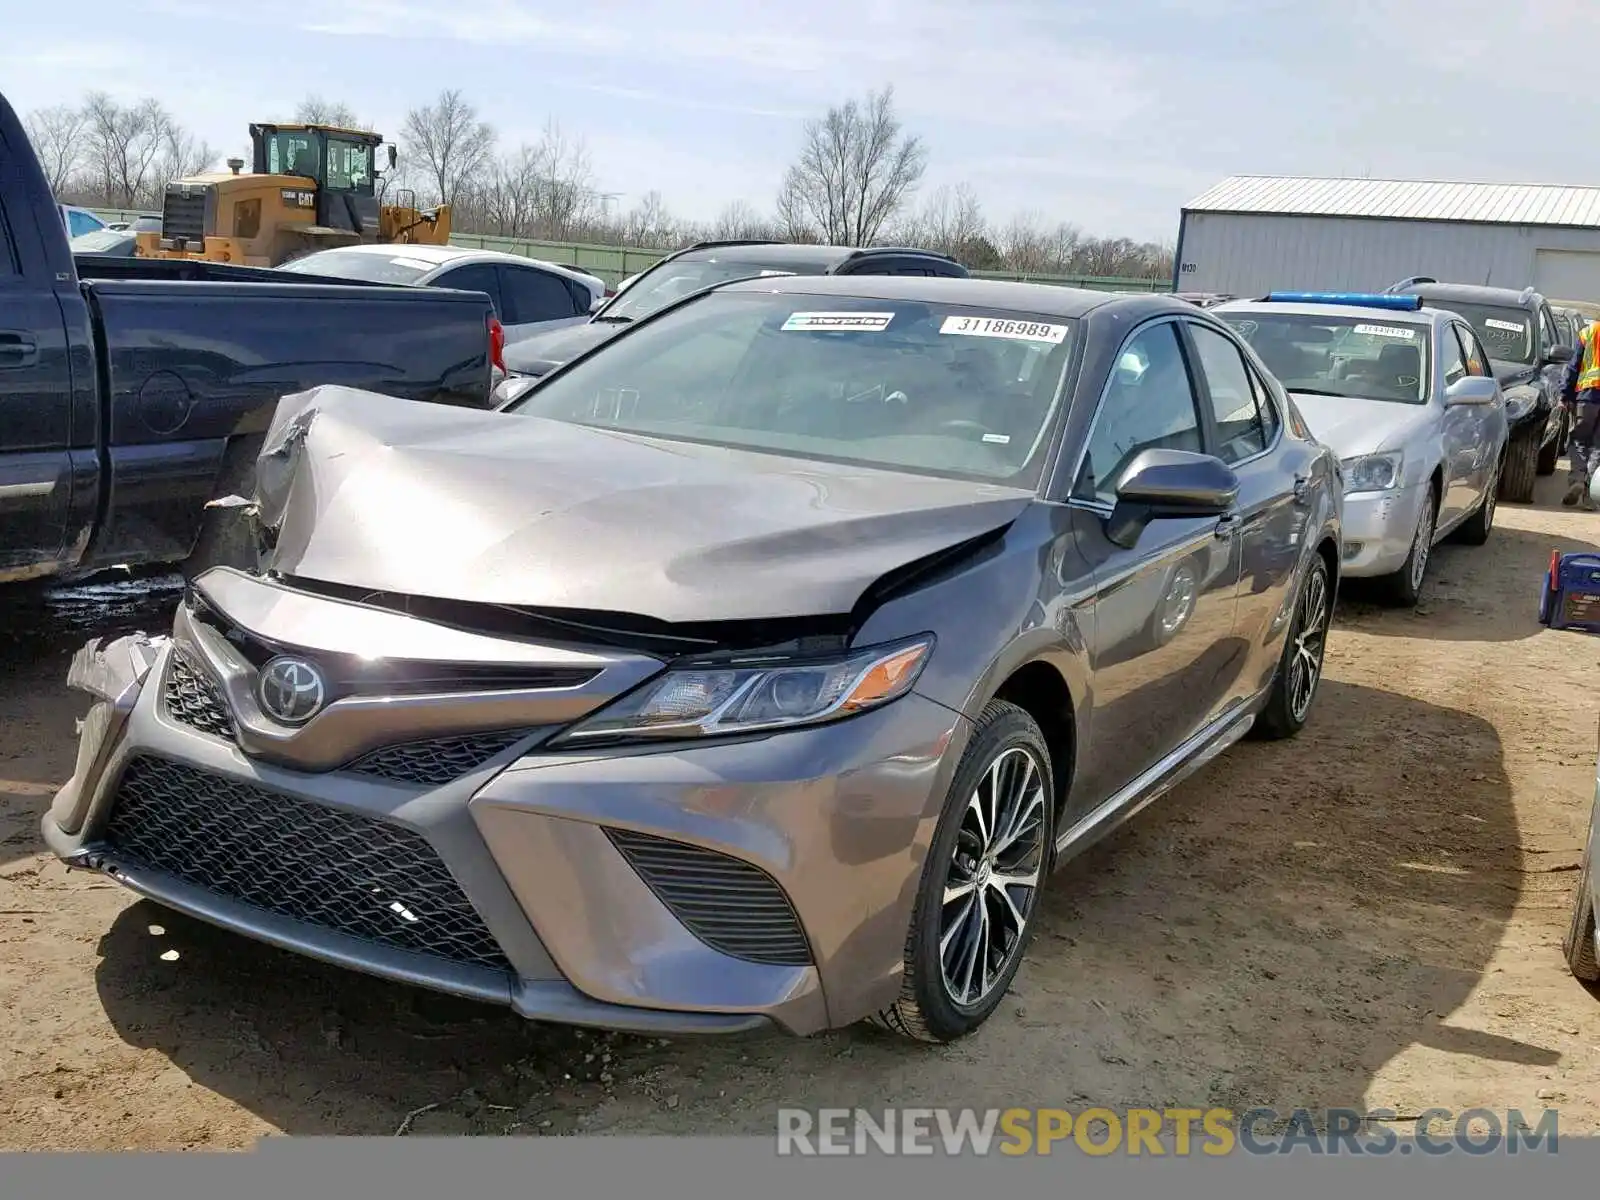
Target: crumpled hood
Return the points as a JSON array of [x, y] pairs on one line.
[[491, 507], [544, 351], [1350, 427]]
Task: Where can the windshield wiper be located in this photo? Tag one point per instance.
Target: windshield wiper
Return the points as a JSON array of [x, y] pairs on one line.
[[1311, 391], [614, 320]]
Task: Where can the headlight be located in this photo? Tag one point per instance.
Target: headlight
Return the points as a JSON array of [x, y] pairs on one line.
[[713, 700], [1517, 407], [1371, 472]]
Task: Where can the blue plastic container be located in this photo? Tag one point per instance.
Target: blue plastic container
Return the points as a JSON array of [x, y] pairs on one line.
[[1570, 598]]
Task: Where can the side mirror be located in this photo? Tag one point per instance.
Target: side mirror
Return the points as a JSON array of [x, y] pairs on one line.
[[597, 303], [1472, 389], [1167, 484], [1558, 355]]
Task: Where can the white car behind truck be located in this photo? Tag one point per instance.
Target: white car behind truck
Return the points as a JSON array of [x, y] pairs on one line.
[[1406, 396]]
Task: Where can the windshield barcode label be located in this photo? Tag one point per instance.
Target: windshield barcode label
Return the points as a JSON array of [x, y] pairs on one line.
[[853, 322], [1026, 331], [1392, 331], [1508, 326]]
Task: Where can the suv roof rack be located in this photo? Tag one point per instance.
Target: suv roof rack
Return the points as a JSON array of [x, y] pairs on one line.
[[1395, 288], [855, 254]]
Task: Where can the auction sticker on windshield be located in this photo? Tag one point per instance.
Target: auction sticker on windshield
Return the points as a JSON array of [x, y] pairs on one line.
[[1000, 327], [1508, 326], [855, 322], [1389, 331]]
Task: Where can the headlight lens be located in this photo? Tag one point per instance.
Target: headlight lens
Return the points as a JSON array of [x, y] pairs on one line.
[[1517, 407], [711, 701], [1371, 472]]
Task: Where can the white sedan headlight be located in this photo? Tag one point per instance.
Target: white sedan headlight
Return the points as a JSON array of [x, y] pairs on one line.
[[709, 701], [1371, 472]]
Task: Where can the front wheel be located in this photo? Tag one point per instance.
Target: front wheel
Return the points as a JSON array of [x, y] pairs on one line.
[[1475, 529], [1522, 467], [1404, 587], [1300, 667], [1578, 944], [981, 881]]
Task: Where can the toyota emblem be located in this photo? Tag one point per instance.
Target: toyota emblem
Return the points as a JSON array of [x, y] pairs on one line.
[[291, 690]]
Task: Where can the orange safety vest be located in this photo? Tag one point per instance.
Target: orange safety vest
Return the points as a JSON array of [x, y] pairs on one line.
[[1589, 376]]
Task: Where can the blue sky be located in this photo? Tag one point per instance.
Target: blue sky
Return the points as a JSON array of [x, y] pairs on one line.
[[1106, 115]]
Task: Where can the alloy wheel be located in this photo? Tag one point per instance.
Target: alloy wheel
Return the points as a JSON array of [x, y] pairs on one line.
[[992, 881], [1310, 638], [1422, 543], [1489, 499]]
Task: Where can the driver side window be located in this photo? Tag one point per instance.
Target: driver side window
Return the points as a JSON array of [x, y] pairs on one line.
[[1451, 361], [1149, 403]]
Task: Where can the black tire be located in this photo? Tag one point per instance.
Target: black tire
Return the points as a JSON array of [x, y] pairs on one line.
[[228, 537], [1475, 530], [1404, 587], [1578, 943], [926, 1011], [1551, 450], [1287, 708], [1522, 466]]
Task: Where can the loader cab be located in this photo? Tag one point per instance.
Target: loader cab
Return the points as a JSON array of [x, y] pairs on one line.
[[341, 164]]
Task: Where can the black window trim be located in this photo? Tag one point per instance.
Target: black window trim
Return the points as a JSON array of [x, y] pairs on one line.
[[1207, 432]]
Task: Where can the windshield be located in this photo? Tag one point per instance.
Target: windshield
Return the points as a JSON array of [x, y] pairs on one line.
[[1364, 358], [349, 165], [653, 290], [1507, 333], [294, 154], [936, 389], [357, 264]]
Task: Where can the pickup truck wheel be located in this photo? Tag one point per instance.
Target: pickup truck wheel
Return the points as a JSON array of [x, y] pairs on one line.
[[227, 537], [1522, 464]]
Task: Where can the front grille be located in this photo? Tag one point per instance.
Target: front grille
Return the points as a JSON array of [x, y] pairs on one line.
[[729, 904], [184, 216], [435, 761], [193, 699], [317, 865]]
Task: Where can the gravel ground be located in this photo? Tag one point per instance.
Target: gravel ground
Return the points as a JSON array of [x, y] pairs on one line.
[[1370, 916]]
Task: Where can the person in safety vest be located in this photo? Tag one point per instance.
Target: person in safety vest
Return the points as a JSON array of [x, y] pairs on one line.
[[1580, 392]]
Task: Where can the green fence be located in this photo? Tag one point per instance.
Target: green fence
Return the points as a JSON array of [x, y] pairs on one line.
[[615, 263]]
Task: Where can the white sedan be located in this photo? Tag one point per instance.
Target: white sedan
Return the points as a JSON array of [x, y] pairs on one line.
[[1407, 398], [528, 294]]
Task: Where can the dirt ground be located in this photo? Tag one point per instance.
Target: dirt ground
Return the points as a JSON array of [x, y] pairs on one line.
[[1370, 916]]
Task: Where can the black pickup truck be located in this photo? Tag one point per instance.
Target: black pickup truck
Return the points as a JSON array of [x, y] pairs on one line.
[[133, 392]]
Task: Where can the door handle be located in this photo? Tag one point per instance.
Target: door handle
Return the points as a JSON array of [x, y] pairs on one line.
[[17, 349]]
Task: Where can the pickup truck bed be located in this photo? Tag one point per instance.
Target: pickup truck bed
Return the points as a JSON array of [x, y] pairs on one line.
[[134, 391]]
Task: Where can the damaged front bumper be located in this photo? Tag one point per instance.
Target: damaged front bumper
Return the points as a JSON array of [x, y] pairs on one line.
[[392, 835]]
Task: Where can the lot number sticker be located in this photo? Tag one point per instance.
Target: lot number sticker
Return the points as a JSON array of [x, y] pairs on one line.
[[1508, 326], [1389, 331], [1024, 331], [852, 322]]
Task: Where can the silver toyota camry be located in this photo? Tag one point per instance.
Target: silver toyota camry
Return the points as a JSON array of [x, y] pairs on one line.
[[1406, 396], [755, 667]]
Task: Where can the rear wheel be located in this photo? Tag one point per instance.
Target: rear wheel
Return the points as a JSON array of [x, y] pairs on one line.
[[1476, 529], [980, 883], [1522, 463], [1300, 668]]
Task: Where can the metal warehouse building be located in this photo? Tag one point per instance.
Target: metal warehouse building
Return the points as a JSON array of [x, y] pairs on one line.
[[1251, 234]]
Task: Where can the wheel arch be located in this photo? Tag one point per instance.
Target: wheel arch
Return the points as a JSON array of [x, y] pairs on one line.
[[1039, 688]]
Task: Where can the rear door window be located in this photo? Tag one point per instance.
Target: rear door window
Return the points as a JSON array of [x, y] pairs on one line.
[[475, 277], [531, 295]]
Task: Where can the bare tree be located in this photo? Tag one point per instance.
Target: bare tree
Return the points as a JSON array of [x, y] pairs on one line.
[[57, 134], [183, 155], [315, 110], [454, 146], [566, 196], [951, 219], [510, 198], [740, 220], [124, 145], [854, 174]]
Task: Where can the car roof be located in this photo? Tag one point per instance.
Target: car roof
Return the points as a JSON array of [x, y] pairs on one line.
[[1041, 298], [1390, 315], [782, 254], [454, 255]]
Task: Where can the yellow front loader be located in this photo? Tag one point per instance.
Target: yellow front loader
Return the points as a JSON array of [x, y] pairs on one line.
[[311, 187]]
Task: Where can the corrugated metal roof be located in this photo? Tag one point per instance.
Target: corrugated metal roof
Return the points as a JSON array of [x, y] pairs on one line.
[[1409, 199]]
